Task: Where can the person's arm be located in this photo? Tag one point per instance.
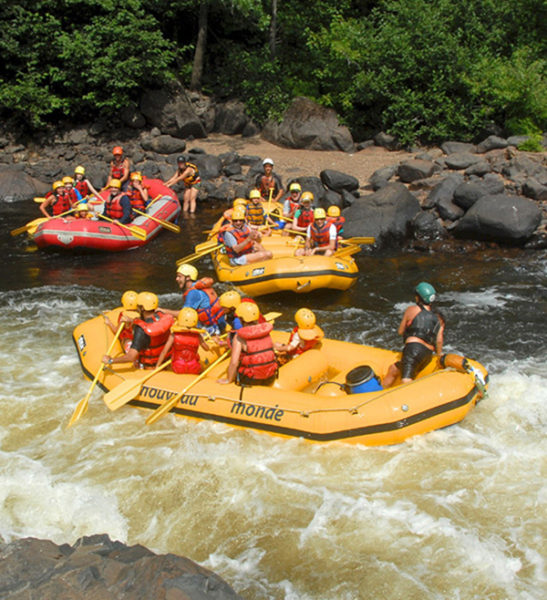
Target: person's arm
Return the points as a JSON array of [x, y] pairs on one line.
[[231, 242], [44, 205], [165, 350], [407, 319], [440, 339], [234, 362], [279, 187], [307, 245], [125, 175], [203, 343], [91, 188]]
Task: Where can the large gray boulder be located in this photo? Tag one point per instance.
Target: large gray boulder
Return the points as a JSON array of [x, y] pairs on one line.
[[15, 185], [96, 567], [308, 125], [413, 170], [338, 181], [231, 118], [163, 144], [500, 218], [172, 113], [444, 190], [387, 214]]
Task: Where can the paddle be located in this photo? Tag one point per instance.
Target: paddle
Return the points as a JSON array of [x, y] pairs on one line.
[[206, 245], [129, 389], [167, 406], [36, 222], [357, 240], [166, 224], [152, 201], [196, 255], [138, 232], [39, 199], [347, 251], [81, 408], [272, 316]]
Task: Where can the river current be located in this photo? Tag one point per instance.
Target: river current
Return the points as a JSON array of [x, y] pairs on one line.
[[455, 514]]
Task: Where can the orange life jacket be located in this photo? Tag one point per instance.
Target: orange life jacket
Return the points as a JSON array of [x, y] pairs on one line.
[[185, 357], [257, 361], [264, 186], [240, 235], [255, 214], [113, 207], [213, 313], [158, 330], [338, 222], [320, 236], [137, 201]]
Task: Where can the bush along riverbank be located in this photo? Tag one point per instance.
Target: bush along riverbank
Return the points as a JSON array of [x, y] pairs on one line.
[[458, 195]]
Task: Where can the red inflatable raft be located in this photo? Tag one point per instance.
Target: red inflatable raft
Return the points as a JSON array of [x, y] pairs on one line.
[[99, 234]]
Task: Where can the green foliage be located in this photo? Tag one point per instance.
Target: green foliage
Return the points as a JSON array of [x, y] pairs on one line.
[[532, 144]]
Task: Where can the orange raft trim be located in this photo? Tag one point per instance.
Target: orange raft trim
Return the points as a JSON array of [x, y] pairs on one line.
[[308, 399]]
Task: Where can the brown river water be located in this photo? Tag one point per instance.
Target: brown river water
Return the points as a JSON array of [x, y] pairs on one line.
[[455, 514]]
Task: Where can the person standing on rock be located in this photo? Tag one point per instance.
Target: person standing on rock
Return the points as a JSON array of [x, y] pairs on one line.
[[188, 173], [119, 168], [422, 328], [267, 181]]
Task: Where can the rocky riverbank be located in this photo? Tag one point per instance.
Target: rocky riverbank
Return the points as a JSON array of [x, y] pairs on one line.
[[96, 567], [457, 195]]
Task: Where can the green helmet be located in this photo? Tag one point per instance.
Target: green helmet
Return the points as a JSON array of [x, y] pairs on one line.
[[426, 292]]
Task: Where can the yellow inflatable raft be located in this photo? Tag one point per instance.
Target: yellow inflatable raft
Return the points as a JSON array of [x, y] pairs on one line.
[[286, 272], [321, 395]]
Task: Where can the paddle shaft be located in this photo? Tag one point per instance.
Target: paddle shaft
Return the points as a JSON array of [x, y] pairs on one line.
[[37, 222], [171, 226], [134, 230], [81, 408], [167, 406]]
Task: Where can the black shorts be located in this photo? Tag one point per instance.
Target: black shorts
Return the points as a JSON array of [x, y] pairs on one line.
[[415, 358], [244, 380]]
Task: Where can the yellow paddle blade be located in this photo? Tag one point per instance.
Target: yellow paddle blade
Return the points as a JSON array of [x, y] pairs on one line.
[[129, 389], [197, 255], [204, 246], [167, 406], [39, 200], [171, 226], [347, 251], [30, 225], [138, 232], [272, 316], [81, 407], [358, 240]]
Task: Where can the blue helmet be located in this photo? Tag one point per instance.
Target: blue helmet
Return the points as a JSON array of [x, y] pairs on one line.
[[426, 292]]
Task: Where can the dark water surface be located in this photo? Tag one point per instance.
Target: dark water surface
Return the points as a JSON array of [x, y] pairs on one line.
[[458, 513]]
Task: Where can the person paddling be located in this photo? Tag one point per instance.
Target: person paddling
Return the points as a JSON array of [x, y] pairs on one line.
[[126, 316]]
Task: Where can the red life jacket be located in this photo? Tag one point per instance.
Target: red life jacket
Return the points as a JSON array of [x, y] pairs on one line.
[[61, 204], [158, 330], [319, 236], [192, 179], [293, 206], [303, 345], [255, 214], [240, 235], [116, 171], [114, 208], [338, 222], [137, 201], [258, 360], [72, 196], [82, 187], [212, 314], [185, 357], [305, 217]]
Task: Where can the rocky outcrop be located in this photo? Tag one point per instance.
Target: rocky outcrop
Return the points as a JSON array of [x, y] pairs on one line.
[[97, 568], [308, 125]]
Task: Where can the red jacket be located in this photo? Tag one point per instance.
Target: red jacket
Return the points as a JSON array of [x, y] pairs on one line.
[[257, 361]]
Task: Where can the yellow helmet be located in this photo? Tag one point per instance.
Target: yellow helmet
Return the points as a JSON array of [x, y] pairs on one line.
[[187, 317], [238, 214], [136, 175], [305, 318], [319, 213], [129, 300], [188, 271], [306, 197], [239, 202], [333, 211], [57, 184], [79, 170], [295, 187], [115, 183], [147, 300], [229, 299], [68, 179], [254, 194], [248, 311]]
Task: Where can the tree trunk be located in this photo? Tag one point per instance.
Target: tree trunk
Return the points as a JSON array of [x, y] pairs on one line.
[[273, 30], [201, 44]]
